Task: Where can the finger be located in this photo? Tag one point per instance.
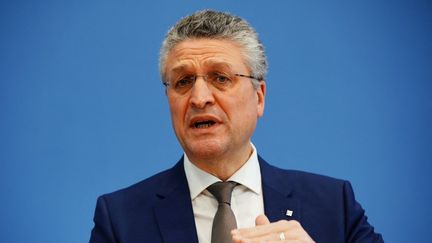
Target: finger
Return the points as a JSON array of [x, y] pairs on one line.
[[267, 229], [260, 239], [286, 241], [292, 230], [236, 238], [262, 220], [297, 232]]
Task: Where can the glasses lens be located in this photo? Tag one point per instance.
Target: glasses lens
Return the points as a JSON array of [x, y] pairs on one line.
[[217, 80]]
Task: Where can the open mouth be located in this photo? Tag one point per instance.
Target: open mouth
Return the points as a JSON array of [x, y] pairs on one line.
[[204, 124]]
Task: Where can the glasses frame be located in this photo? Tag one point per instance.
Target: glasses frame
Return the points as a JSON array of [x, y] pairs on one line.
[[167, 83]]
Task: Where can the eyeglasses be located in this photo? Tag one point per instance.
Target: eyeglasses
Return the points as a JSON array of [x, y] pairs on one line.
[[217, 80]]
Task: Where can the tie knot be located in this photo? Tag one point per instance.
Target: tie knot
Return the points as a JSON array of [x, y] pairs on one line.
[[222, 191]]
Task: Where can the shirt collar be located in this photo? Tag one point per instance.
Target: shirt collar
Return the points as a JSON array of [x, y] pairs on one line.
[[249, 175]]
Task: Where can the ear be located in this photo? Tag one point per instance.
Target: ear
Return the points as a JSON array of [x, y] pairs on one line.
[[261, 92]]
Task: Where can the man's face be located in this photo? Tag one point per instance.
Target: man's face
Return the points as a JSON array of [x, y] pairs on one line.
[[212, 122]]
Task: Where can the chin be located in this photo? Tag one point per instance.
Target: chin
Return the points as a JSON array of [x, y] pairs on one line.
[[206, 149]]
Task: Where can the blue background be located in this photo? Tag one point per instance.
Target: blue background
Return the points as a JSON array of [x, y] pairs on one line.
[[83, 112]]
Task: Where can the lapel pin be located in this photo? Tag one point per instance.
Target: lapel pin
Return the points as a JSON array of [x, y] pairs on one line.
[[289, 213]]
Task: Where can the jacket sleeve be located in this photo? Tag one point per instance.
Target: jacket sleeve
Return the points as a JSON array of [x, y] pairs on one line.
[[102, 231], [358, 229]]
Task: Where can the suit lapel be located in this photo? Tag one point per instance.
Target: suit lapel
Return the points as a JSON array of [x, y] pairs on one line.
[[279, 201], [174, 211]]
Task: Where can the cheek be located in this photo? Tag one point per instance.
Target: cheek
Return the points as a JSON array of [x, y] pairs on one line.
[[241, 109], [174, 109], [177, 111], [249, 109]]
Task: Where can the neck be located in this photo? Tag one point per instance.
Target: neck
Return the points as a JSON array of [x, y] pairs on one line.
[[223, 167]]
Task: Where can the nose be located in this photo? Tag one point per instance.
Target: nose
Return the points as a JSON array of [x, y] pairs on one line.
[[201, 94]]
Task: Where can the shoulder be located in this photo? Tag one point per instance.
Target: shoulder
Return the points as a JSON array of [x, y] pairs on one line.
[[303, 183], [125, 212], [297, 175], [309, 179], [328, 205], [308, 176], [147, 185], [146, 192]]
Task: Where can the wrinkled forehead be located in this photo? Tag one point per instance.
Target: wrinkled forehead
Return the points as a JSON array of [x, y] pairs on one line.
[[211, 64], [204, 54]]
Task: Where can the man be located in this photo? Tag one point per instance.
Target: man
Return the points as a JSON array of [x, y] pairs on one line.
[[213, 67]]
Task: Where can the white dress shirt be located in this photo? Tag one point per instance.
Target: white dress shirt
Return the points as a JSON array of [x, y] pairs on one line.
[[246, 200]]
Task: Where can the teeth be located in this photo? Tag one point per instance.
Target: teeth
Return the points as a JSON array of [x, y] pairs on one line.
[[205, 125]]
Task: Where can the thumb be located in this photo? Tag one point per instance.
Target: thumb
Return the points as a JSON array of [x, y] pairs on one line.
[[261, 220]]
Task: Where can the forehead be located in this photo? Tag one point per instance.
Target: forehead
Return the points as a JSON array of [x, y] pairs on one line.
[[204, 53]]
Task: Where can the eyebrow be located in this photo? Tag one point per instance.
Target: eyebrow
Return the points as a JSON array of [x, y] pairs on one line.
[[218, 64], [211, 64], [179, 68]]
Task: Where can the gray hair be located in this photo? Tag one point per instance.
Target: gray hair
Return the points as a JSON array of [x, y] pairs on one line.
[[218, 25]]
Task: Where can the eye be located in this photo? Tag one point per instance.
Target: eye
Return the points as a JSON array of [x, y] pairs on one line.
[[219, 78], [184, 82], [222, 79]]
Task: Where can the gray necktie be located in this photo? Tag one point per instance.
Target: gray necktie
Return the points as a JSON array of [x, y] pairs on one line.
[[224, 220]]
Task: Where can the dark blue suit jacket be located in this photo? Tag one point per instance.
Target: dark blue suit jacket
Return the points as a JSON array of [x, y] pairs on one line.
[[159, 209]]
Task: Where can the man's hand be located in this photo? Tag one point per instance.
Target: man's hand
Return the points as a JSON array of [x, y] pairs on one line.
[[264, 231]]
